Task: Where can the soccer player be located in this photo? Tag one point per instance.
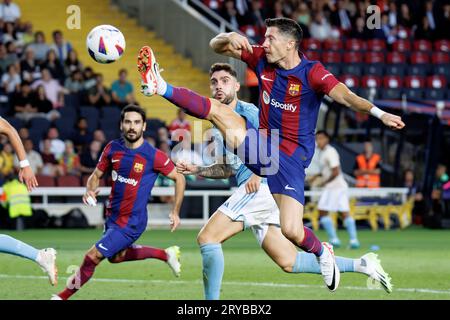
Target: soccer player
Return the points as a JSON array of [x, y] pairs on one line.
[[45, 258], [334, 196], [291, 90], [134, 166], [252, 206]]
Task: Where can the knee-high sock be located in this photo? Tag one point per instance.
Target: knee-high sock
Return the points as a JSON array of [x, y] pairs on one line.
[[350, 225], [16, 247], [311, 243], [328, 225], [137, 252], [193, 103], [213, 266], [83, 275], [307, 263]]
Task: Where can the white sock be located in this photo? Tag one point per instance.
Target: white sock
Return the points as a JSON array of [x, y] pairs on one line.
[[162, 86]]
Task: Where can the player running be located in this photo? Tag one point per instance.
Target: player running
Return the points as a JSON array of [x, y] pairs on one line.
[[252, 206], [291, 90], [134, 166], [45, 258]]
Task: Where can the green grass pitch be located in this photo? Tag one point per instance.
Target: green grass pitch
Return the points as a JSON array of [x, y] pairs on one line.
[[418, 261]]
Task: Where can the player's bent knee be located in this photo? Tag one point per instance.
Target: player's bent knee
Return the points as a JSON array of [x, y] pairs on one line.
[[204, 237], [293, 234]]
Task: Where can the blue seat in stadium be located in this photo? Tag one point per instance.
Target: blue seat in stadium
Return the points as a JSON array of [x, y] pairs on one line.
[[391, 94], [368, 92], [334, 68], [352, 68], [111, 112], [65, 127], [418, 70], [111, 134], [37, 134], [72, 100], [109, 124], [15, 122], [92, 115], [39, 123], [414, 93], [396, 69], [442, 69], [68, 113], [434, 94], [154, 124], [375, 69]]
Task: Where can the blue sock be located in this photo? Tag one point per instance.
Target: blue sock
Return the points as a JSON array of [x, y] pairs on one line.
[[169, 92], [213, 266], [350, 224], [307, 263], [328, 225], [16, 247]]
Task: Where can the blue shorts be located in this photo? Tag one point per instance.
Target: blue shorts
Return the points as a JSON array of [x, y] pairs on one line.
[[116, 239], [285, 173]]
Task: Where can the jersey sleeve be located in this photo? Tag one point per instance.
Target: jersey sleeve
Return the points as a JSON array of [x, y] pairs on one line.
[[162, 163], [252, 59], [104, 161], [321, 80], [333, 158]]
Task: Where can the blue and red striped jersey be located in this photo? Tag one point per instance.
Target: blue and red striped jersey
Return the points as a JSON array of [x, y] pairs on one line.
[[289, 100], [133, 173]]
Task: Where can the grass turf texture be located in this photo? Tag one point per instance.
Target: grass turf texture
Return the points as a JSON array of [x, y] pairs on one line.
[[417, 260]]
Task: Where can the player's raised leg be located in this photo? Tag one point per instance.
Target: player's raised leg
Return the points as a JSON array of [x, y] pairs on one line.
[[285, 255], [291, 222], [230, 124], [45, 258], [218, 229]]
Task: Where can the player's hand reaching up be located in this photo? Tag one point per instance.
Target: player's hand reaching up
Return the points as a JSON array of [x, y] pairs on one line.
[[26, 176], [392, 121], [186, 168], [90, 197], [174, 219]]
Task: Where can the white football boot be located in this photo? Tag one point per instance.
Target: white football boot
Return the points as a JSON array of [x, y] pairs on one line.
[[149, 71], [371, 266], [173, 259], [328, 267], [46, 259]]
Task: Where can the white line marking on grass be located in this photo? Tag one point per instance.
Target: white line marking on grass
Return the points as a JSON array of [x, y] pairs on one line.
[[232, 283]]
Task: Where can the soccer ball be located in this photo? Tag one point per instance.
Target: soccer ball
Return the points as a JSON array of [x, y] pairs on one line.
[[105, 44]]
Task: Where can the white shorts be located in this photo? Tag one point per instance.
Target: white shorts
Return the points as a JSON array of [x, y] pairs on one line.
[[334, 200], [256, 210]]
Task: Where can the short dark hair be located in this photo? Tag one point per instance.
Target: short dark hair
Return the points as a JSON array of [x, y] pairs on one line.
[[132, 108], [323, 132], [219, 66], [288, 27]]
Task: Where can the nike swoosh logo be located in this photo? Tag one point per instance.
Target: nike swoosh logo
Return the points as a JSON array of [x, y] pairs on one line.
[[115, 160], [101, 246], [331, 286], [289, 188], [263, 77], [325, 76]]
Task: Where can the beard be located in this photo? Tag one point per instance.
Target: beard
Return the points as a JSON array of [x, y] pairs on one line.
[[226, 98], [137, 136]]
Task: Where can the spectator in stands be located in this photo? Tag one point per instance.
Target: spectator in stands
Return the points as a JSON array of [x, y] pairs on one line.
[[163, 136], [61, 47], [51, 167], [9, 11], [89, 80], [27, 33], [53, 90], [230, 14], [99, 136], [69, 160], [24, 134], [360, 31], [11, 79], [340, 17], [39, 46], [387, 33], [9, 33], [7, 160], [424, 30], [431, 16], [444, 22], [99, 95], [180, 122], [57, 146], [367, 168], [74, 83], [405, 18], [441, 178], [122, 90], [72, 63], [392, 14], [5, 58], [81, 136], [29, 67], [22, 102], [89, 157], [12, 51], [303, 15], [33, 157], [53, 64], [320, 28], [419, 208], [44, 106]]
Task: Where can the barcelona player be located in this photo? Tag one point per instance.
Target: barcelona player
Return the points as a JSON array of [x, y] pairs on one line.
[[134, 166], [45, 258], [291, 90]]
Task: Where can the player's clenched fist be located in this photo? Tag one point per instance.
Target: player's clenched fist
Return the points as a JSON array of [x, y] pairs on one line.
[[186, 168], [90, 197], [239, 42], [392, 121]]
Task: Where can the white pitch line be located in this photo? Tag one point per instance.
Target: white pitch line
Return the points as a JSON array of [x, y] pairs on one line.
[[232, 283]]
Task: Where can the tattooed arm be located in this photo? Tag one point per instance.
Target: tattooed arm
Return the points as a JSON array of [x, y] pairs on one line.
[[214, 171]]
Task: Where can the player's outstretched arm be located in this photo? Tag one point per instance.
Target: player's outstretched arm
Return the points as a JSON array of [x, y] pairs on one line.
[[180, 186], [26, 174], [213, 171], [343, 95], [230, 44], [92, 189]]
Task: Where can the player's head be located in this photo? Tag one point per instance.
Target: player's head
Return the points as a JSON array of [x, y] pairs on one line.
[[132, 123], [283, 37], [322, 139], [223, 82]]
